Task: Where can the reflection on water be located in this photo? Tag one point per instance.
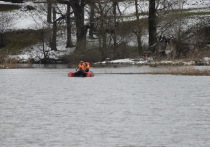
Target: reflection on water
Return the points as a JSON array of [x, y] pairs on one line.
[[44, 107], [117, 67], [57, 66]]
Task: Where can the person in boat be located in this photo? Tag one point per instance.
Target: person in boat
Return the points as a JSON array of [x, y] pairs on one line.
[[87, 66], [80, 69]]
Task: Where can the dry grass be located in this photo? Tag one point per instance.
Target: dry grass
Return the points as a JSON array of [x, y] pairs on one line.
[[13, 66], [185, 71], [189, 71]]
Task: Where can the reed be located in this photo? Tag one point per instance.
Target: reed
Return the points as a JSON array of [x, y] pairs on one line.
[[189, 71], [14, 66], [184, 71]]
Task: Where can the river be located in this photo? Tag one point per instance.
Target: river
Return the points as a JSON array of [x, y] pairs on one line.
[[44, 107]]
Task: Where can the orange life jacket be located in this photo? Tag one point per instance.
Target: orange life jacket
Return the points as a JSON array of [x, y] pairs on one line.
[[81, 65], [87, 65]]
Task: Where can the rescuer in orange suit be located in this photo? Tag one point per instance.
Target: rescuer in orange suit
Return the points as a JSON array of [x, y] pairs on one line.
[[81, 66], [87, 66], [80, 69]]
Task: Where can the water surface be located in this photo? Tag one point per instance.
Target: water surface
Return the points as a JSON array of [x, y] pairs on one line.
[[44, 107]]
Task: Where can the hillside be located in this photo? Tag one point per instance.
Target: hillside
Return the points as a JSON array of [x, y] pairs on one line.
[[188, 22]]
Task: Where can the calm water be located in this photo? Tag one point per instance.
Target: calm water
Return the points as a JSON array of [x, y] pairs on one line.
[[44, 107]]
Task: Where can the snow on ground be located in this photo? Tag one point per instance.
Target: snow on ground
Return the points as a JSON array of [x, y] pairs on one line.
[[196, 4], [27, 19], [150, 61], [37, 19], [127, 61], [36, 53]]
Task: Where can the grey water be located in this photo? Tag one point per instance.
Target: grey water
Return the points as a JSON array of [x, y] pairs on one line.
[[44, 107]]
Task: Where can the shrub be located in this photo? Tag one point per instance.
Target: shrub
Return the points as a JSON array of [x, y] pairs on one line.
[[8, 7], [15, 41], [90, 55], [14, 1]]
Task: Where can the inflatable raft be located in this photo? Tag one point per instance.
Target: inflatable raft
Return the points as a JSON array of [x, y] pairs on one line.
[[86, 74]]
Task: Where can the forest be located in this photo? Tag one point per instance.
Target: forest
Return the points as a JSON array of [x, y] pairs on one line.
[[96, 30]]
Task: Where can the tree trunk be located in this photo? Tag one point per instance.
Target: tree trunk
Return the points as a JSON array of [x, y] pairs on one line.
[[49, 11], [114, 37], [68, 23], [54, 35], [102, 40], [92, 22], [80, 27], [139, 30], [140, 50], [152, 26], [1, 39], [102, 34]]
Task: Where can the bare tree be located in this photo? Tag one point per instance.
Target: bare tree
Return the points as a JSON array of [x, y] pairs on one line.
[[101, 10], [152, 25], [114, 5], [54, 34], [49, 11], [138, 31], [78, 10], [69, 26], [92, 20]]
